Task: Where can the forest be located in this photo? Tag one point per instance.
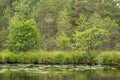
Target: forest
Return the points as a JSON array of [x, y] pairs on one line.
[[60, 31]]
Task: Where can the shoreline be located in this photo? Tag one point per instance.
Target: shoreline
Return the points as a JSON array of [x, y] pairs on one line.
[[60, 58]]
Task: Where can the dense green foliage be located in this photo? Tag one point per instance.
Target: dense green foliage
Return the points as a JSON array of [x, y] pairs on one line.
[[59, 20], [83, 26], [109, 58], [23, 35], [90, 39], [61, 58], [63, 41]]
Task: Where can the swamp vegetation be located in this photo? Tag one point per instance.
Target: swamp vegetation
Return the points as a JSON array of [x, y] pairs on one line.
[[59, 39], [60, 32]]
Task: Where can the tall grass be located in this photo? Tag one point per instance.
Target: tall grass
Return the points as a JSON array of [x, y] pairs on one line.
[[109, 58], [60, 57]]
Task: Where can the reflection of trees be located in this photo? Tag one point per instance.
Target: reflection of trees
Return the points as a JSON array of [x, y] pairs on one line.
[[107, 74], [77, 75], [21, 75]]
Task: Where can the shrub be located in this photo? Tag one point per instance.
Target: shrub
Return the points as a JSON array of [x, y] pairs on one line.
[[23, 35], [63, 41], [90, 39]]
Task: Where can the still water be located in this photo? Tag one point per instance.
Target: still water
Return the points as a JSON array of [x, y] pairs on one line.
[[63, 72]]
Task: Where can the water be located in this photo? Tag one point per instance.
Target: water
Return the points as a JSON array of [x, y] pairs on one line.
[[63, 72]]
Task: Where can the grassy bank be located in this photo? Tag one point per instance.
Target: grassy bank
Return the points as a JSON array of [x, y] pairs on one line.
[[59, 57], [109, 58]]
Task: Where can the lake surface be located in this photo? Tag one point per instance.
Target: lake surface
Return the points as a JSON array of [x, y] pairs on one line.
[[63, 72]]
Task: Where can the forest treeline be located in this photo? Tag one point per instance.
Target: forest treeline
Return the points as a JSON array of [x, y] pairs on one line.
[[64, 24]]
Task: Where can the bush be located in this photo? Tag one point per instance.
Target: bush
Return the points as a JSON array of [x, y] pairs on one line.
[[63, 41], [23, 35], [90, 39]]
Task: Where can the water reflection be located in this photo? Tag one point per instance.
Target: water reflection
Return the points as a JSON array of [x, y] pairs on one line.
[[100, 74]]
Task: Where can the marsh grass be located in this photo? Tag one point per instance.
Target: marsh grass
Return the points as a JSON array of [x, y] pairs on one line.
[[111, 58]]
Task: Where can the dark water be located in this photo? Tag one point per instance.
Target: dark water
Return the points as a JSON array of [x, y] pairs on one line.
[[42, 72]]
